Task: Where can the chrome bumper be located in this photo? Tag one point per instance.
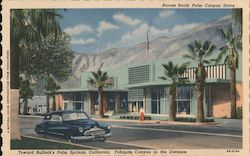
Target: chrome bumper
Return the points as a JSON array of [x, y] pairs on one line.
[[91, 137]]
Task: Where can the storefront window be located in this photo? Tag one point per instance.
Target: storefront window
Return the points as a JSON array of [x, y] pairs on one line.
[[73, 101], [183, 99], [124, 101], [157, 96], [111, 101]]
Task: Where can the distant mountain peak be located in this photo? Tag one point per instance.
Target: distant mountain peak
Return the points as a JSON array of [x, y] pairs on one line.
[[159, 48]]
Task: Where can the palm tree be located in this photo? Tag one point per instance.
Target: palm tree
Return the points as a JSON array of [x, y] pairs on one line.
[[231, 51], [51, 87], [237, 18], [199, 52], [26, 26], [26, 93], [173, 72], [99, 81]]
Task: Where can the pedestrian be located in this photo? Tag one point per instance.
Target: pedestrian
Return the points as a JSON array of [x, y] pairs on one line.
[[141, 114]]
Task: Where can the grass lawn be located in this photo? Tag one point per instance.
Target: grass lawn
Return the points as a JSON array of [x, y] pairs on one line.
[[32, 143]]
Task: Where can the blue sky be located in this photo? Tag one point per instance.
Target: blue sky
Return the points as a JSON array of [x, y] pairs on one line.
[[95, 30]]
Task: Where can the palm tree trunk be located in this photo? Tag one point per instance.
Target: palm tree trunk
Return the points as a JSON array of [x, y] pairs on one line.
[[233, 93], [19, 108], [48, 103], [14, 66], [54, 103], [117, 102], [14, 91], [200, 82], [25, 107], [101, 114], [172, 110], [200, 107]]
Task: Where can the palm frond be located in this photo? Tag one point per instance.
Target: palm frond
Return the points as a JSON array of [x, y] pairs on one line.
[[182, 68], [96, 76], [189, 57], [163, 78], [210, 50], [229, 32], [191, 50], [183, 81], [206, 45], [221, 54], [222, 34], [206, 62], [197, 44], [226, 61], [237, 15]]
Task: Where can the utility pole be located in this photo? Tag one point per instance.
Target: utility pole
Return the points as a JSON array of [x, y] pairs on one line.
[[147, 43]]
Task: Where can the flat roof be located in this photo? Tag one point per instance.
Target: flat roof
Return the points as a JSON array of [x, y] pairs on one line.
[[90, 89], [138, 85], [167, 83]]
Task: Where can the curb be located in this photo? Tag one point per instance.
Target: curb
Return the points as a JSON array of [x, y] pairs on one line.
[[160, 122], [61, 142], [137, 121]]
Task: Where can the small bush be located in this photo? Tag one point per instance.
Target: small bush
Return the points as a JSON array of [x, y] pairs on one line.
[[191, 119], [135, 117], [106, 116], [239, 113]]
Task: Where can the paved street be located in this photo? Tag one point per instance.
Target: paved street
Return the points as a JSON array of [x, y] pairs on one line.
[[133, 135]]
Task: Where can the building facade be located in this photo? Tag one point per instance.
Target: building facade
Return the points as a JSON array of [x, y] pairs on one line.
[[139, 85]]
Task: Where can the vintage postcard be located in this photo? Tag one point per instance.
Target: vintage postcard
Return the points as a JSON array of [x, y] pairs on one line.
[[142, 77]]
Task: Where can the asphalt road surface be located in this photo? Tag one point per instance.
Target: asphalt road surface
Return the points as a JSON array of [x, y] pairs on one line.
[[131, 135]]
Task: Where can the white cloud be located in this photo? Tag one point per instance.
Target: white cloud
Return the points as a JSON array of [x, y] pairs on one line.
[[104, 26], [126, 19], [78, 29], [139, 34], [179, 29], [82, 41], [167, 13]]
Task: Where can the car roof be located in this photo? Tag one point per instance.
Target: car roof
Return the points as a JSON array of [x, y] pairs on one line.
[[65, 111]]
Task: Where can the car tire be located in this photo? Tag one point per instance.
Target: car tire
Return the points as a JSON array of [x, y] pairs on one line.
[[41, 135], [68, 137], [103, 140]]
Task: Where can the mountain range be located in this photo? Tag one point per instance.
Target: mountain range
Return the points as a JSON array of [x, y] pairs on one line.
[[159, 48]]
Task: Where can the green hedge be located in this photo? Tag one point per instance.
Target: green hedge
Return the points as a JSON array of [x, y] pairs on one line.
[[191, 119], [134, 117], [239, 113]]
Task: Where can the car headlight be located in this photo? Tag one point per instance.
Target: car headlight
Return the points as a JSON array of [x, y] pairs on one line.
[[80, 129], [109, 127]]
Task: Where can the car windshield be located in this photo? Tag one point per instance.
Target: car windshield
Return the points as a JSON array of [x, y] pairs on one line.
[[74, 116]]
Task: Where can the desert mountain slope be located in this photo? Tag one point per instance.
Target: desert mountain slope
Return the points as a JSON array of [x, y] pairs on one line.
[[162, 47]]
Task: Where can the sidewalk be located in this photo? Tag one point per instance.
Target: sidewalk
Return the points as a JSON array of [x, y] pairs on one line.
[[231, 123], [157, 122]]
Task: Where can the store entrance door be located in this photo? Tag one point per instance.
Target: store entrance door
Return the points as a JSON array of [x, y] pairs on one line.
[[155, 101]]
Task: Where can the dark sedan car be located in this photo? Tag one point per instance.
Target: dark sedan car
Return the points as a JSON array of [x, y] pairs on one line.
[[73, 125]]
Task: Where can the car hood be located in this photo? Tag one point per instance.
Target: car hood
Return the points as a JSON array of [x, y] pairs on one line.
[[82, 123]]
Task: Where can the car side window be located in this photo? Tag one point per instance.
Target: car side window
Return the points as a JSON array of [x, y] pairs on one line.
[[56, 117]]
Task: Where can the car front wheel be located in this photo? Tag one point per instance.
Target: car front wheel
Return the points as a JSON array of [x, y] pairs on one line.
[[67, 136], [103, 140]]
